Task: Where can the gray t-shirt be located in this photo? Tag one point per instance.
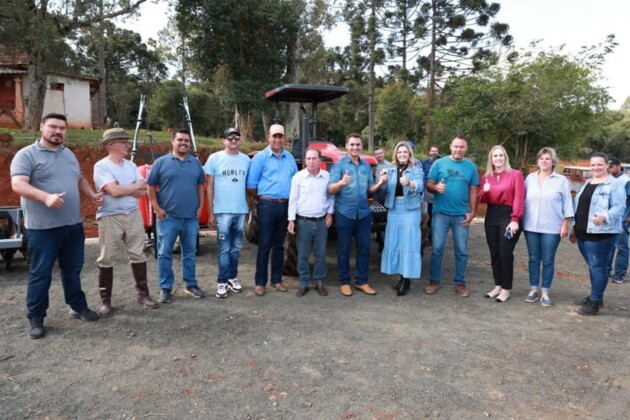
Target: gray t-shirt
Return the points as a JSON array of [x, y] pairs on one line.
[[106, 172], [54, 172]]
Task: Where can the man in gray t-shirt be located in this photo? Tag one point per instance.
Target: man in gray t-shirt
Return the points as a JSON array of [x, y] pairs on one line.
[[47, 177], [120, 225]]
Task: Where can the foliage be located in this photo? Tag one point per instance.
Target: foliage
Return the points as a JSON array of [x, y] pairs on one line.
[[398, 112], [547, 100], [248, 40], [132, 68], [613, 138], [42, 27]]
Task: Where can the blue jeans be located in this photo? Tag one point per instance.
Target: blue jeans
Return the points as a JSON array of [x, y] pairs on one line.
[[597, 254], [621, 260], [65, 245], [230, 228], [311, 235], [167, 231], [542, 249], [361, 230], [440, 224], [272, 230]]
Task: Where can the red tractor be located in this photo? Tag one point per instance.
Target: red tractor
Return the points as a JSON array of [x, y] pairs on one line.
[[305, 94]]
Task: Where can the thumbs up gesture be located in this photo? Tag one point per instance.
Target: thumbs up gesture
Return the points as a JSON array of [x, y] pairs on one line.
[[486, 186], [346, 179], [441, 187]]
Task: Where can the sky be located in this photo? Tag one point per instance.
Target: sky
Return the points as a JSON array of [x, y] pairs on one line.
[[572, 23]]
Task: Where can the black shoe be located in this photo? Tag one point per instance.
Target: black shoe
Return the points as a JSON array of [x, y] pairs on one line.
[[397, 285], [587, 300], [589, 308], [36, 328], [165, 296], [404, 287], [85, 314]]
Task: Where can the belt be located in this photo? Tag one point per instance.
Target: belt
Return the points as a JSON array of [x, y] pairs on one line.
[[275, 200], [310, 219]]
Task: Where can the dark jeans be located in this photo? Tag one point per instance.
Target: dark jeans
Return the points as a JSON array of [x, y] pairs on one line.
[[597, 254], [272, 230], [311, 235], [501, 248], [361, 230], [65, 245]]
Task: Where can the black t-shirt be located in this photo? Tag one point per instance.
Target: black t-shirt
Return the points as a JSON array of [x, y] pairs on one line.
[[581, 217]]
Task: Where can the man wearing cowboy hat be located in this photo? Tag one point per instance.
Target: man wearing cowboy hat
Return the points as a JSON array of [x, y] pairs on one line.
[[120, 224], [48, 179]]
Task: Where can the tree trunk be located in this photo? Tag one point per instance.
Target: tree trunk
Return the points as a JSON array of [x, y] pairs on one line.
[[292, 128], [102, 73], [36, 92], [430, 126], [372, 81]]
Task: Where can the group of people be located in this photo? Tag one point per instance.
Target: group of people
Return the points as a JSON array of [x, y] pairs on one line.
[[305, 203]]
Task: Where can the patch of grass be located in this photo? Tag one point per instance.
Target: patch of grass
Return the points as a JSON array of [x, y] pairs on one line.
[[93, 137]]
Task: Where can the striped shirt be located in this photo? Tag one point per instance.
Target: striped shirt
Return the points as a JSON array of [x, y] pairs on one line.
[[546, 205]]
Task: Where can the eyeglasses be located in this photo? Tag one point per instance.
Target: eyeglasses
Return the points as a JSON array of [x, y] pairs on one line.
[[125, 142], [233, 138]]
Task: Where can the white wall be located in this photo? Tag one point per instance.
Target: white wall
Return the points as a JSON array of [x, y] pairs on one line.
[[73, 101]]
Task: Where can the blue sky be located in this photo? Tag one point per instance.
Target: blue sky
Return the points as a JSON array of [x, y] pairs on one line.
[[574, 23]]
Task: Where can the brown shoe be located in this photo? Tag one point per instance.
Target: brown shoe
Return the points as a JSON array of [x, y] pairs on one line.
[[280, 287], [365, 288], [259, 290], [346, 290], [319, 286], [301, 291], [147, 302], [432, 288], [461, 290]]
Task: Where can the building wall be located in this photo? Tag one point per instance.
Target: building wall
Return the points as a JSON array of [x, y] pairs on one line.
[[71, 97]]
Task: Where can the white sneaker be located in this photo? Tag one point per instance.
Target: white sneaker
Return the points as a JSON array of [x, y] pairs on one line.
[[234, 285], [222, 290]]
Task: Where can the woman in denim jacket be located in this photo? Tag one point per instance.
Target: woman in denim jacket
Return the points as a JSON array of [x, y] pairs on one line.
[[403, 198], [599, 207]]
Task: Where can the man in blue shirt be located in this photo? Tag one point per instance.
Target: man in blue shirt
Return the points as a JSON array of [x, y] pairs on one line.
[[454, 182], [269, 181], [226, 175], [621, 246], [351, 180], [177, 207]]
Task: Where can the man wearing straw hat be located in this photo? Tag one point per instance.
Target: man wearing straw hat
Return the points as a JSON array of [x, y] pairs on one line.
[[120, 225]]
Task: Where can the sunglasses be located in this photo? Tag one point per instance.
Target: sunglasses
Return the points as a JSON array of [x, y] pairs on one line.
[[233, 138]]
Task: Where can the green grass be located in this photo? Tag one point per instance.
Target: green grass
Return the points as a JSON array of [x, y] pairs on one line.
[[93, 137]]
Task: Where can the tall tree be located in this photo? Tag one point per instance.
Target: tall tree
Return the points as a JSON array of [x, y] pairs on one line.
[[463, 36], [404, 28], [37, 26], [363, 18], [133, 67], [248, 40], [549, 99]]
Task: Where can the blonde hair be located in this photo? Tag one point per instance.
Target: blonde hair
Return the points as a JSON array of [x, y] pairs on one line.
[[490, 166], [395, 152]]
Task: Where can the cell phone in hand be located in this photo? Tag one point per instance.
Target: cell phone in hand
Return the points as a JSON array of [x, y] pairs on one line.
[[508, 234]]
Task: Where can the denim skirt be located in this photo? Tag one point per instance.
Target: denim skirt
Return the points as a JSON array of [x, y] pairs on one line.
[[401, 254]]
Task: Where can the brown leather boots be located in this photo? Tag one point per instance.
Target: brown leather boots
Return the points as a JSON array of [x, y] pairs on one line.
[[106, 281]]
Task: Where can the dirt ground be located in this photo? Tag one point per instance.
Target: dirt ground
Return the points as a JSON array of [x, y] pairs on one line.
[[280, 356]]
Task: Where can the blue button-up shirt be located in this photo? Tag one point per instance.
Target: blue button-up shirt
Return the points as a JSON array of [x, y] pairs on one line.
[[271, 175], [351, 201]]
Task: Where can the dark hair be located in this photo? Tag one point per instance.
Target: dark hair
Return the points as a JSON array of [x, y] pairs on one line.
[[461, 137], [355, 135], [379, 148], [600, 155], [308, 149], [54, 116], [181, 131], [432, 146]]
